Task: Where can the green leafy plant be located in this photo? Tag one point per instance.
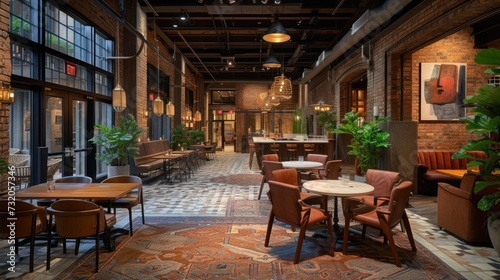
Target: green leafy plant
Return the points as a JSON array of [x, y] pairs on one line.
[[180, 138], [116, 143], [299, 121], [485, 124], [327, 119], [196, 136], [367, 139], [4, 166]]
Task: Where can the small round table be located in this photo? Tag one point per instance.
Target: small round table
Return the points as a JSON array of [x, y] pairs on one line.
[[337, 188], [301, 165]]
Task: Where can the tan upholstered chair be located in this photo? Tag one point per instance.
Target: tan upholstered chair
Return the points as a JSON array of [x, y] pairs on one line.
[[383, 182], [271, 157], [78, 219], [290, 176], [128, 202], [31, 220], [287, 207], [267, 173], [383, 218]]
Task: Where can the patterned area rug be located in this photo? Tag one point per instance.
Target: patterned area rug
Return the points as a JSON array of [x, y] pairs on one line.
[[233, 248]]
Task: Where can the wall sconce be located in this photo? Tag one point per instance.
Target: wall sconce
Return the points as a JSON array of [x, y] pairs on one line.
[[6, 94], [197, 116], [376, 111], [145, 114]]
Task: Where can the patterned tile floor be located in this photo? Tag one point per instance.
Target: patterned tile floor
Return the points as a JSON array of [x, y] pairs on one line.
[[201, 197]]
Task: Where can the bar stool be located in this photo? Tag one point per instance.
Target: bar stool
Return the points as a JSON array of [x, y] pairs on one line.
[[292, 151], [275, 148], [308, 148]]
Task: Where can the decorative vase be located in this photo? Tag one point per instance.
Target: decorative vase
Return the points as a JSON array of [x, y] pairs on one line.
[[494, 231], [118, 170]]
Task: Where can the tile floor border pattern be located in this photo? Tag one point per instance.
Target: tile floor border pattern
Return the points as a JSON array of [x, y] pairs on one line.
[[199, 197]]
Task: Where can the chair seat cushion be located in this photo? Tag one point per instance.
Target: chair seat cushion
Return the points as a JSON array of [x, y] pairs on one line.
[[110, 219]]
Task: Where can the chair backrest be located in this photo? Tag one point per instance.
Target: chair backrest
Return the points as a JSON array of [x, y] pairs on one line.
[[400, 195], [284, 200], [74, 179], [77, 218], [288, 176], [123, 179], [268, 167], [333, 168], [26, 214], [271, 157], [383, 181], [318, 158], [467, 183]]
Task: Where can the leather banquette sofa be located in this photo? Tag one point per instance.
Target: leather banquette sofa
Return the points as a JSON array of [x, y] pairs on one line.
[[428, 161], [145, 161]]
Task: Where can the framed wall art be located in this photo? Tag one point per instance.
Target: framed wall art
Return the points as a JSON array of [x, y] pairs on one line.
[[442, 90]]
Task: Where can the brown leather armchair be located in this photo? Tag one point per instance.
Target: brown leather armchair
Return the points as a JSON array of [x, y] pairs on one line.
[[383, 182], [457, 210], [267, 173]]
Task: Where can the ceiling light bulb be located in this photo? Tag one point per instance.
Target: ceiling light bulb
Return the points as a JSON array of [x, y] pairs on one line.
[[277, 2]]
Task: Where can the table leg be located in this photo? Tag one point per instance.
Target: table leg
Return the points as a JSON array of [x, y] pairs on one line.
[[336, 214]]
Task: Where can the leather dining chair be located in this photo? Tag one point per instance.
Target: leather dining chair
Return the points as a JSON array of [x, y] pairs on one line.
[[383, 182], [128, 202], [271, 157], [67, 179], [382, 218], [332, 169], [315, 173], [287, 207], [78, 219], [267, 173], [290, 176], [31, 220]]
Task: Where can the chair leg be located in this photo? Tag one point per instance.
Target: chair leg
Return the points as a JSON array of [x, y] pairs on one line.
[[130, 221], [269, 228], [97, 253], [407, 226], [363, 233], [32, 252], [142, 212], [261, 188], [302, 235], [77, 246], [346, 235], [392, 245], [64, 245], [330, 235], [250, 160]]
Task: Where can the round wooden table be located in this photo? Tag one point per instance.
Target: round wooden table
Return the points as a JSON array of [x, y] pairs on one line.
[[337, 188]]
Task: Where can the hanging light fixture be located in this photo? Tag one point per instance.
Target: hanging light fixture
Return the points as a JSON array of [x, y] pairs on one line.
[[272, 62], [276, 32], [282, 87], [119, 95], [197, 116], [170, 109], [321, 106], [158, 105], [273, 99], [6, 94]]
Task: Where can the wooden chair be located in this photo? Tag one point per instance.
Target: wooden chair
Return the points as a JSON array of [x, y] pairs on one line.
[[31, 220], [271, 157], [68, 179], [287, 207], [78, 219], [382, 218], [132, 199], [315, 173], [267, 173], [332, 169], [291, 176]]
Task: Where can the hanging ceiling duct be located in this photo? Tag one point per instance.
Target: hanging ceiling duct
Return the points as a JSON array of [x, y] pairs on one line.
[[371, 20]]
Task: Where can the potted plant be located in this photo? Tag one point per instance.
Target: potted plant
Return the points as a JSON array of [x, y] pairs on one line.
[[116, 144], [327, 120], [299, 121], [196, 136], [486, 125], [180, 138], [367, 139]]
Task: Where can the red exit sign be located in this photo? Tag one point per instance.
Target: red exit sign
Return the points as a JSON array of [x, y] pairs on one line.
[[70, 69]]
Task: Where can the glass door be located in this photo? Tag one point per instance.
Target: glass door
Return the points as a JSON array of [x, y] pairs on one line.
[[66, 134]]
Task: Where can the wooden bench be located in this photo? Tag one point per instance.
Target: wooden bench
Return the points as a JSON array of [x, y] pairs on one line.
[[145, 161]]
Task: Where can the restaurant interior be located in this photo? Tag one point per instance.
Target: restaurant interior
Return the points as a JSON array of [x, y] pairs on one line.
[[301, 122]]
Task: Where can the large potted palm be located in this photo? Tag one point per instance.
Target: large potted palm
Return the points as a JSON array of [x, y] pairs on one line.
[[486, 125], [115, 144]]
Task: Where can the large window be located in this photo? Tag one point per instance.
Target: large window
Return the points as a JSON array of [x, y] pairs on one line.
[[24, 18], [55, 72], [23, 61], [103, 115], [20, 121]]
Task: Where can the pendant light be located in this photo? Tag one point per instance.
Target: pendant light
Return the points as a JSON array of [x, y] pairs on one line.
[[158, 105], [272, 62], [119, 95], [197, 116], [276, 32], [170, 109]]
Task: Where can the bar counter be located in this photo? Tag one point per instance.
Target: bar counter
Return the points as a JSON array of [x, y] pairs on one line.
[[321, 146]]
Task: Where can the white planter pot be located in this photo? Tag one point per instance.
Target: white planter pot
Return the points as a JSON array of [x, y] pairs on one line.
[[118, 170], [494, 231]]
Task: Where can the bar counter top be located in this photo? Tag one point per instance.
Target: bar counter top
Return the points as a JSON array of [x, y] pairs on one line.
[[267, 140]]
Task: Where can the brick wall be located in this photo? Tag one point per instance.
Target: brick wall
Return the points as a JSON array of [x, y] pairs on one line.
[[5, 70]]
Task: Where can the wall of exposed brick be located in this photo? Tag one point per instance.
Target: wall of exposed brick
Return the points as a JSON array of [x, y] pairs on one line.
[[5, 70]]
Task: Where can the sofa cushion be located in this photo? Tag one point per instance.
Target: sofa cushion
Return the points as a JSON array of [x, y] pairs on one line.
[[433, 175]]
